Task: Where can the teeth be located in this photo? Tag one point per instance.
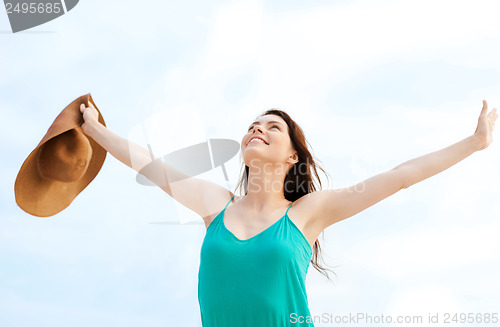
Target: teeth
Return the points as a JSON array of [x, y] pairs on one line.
[[256, 139]]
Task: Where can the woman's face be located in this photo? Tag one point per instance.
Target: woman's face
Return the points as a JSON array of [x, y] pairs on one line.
[[277, 144]]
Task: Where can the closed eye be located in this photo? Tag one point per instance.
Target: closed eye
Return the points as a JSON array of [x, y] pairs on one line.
[[271, 127]]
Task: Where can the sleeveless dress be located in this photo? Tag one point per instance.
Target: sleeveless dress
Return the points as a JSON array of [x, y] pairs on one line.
[[257, 282]]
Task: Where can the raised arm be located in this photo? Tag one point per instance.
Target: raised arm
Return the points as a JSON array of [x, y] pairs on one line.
[[331, 206], [129, 153], [430, 164], [201, 196]]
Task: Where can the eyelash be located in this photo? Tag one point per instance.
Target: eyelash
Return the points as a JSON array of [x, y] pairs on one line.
[[271, 127]]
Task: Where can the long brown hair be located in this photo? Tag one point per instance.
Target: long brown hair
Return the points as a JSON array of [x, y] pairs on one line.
[[295, 177]]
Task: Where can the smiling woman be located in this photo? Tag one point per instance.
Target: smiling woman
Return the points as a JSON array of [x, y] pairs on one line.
[[254, 259], [256, 251], [278, 128]]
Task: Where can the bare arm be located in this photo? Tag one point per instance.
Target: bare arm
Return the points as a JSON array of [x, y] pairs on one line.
[[423, 167], [201, 196], [331, 206], [129, 153]]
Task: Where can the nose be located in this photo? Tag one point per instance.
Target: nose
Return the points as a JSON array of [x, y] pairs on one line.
[[255, 128]]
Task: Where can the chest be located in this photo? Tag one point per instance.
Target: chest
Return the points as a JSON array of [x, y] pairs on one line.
[[246, 227], [277, 248]]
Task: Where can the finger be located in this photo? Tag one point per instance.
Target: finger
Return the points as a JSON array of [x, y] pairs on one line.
[[91, 105], [82, 108], [485, 107], [493, 113]]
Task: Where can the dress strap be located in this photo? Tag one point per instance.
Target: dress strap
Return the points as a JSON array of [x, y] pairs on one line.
[[229, 202], [288, 208]]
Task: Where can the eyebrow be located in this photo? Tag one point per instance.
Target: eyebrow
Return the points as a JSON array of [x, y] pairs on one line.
[[269, 122]]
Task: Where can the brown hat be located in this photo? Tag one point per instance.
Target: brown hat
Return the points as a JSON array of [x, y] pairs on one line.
[[61, 166]]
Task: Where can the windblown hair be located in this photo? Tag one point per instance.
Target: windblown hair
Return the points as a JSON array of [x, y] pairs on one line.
[[298, 181]]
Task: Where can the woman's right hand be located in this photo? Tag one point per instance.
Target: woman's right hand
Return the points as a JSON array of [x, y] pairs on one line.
[[90, 116]]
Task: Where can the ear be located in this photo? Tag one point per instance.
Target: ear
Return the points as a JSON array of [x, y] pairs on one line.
[[294, 157]]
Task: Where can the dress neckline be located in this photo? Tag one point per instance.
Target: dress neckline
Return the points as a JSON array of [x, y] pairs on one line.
[[221, 219], [248, 239]]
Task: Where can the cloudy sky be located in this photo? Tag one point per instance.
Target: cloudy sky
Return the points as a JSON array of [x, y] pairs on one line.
[[372, 84]]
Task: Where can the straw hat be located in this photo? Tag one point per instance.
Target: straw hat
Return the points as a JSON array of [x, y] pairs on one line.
[[61, 166]]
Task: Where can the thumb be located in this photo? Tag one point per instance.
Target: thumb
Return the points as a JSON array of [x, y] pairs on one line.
[[485, 108]]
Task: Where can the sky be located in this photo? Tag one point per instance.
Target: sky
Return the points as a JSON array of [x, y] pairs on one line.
[[372, 84]]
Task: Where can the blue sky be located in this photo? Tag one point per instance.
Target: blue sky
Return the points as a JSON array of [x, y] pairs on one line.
[[372, 84]]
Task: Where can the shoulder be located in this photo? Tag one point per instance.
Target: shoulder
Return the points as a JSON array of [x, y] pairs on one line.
[[221, 203], [302, 213], [299, 209], [304, 210], [304, 203]]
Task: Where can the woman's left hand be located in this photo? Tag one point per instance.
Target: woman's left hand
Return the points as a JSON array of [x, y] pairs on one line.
[[485, 126]]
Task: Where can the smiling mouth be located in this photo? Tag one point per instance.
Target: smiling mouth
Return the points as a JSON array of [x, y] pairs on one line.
[[257, 140]]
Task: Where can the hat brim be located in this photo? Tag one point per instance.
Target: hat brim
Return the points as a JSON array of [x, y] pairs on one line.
[[42, 197]]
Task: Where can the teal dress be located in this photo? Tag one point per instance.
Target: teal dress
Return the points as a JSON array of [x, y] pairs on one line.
[[257, 282]]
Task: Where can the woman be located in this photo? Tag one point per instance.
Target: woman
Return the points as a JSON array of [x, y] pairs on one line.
[[256, 251]]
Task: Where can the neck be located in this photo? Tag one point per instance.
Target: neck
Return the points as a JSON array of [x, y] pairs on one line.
[[265, 189]]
